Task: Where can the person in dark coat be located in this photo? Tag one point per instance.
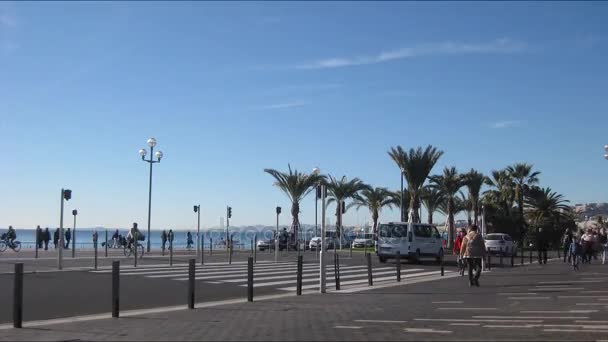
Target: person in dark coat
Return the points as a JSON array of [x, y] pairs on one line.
[[47, 238], [68, 237], [541, 245], [56, 238], [39, 237], [566, 246], [163, 239]]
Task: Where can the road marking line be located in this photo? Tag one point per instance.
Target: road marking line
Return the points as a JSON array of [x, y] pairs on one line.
[[346, 327], [528, 298], [291, 281], [559, 289], [414, 280], [508, 326], [583, 304], [595, 297], [466, 309], [518, 294], [377, 321], [567, 283], [448, 302], [557, 311], [575, 330], [479, 320], [427, 330], [466, 324], [529, 317]]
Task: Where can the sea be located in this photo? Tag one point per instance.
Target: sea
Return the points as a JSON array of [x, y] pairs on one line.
[[242, 238]]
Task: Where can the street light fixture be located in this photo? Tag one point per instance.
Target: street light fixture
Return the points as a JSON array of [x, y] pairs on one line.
[[401, 196], [322, 275], [606, 154], [74, 212], [159, 155], [197, 209], [316, 171]]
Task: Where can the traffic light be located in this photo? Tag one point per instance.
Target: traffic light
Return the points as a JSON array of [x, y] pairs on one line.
[[67, 194], [74, 212], [278, 210], [229, 212], [196, 208]]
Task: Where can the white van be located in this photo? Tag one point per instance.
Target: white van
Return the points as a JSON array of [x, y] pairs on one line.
[[412, 240]]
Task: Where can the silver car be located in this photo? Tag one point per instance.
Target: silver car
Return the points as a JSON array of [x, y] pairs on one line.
[[500, 243]]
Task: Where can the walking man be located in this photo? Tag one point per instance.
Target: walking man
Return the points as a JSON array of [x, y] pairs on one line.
[[567, 242], [473, 250], [47, 238], [68, 237], [39, 237], [163, 240], [541, 245], [56, 238], [170, 236]]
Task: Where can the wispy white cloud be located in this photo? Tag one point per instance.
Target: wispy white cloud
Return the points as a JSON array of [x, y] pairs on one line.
[[498, 46], [284, 105], [506, 124]]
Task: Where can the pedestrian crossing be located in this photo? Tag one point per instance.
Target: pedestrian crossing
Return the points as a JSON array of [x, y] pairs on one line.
[[281, 276]]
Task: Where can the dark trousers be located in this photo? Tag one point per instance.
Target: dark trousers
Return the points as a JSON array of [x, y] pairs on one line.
[[46, 245], [474, 266], [567, 253], [67, 243], [542, 255]]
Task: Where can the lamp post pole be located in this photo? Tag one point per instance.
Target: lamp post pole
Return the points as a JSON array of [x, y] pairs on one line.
[[74, 212], [401, 197], [197, 209], [159, 155], [276, 237], [65, 195]]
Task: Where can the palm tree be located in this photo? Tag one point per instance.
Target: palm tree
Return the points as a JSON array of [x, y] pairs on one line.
[[416, 166], [339, 191], [396, 197], [473, 181], [296, 185], [374, 199], [448, 184], [432, 199], [502, 191], [545, 208], [523, 178]]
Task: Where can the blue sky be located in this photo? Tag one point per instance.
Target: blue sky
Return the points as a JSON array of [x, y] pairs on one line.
[[229, 89]]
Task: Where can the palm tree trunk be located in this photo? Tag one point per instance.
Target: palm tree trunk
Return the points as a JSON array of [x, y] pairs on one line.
[[338, 220], [295, 223], [450, 223], [430, 215], [375, 220], [414, 206], [476, 212]]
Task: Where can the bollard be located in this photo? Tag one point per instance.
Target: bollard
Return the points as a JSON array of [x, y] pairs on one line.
[[530, 255], [351, 250], [299, 277], [522, 255], [489, 260], [171, 253], [255, 249], [559, 254], [191, 272], [512, 256], [37, 237], [398, 262], [106, 243], [18, 296], [202, 250], [95, 246], [251, 248], [337, 271], [210, 246], [135, 246], [441, 262], [115, 288], [250, 279], [230, 251], [501, 252], [370, 280]]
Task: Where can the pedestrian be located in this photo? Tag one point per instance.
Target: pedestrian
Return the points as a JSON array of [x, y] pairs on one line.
[[575, 253], [587, 246], [56, 237], [163, 239], [68, 237], [189, 241], [456, 250], [47, 238], [115, 239], [39, 237], [604, 242], [170, 237], [473, 250], [566, 246], [541, 245]]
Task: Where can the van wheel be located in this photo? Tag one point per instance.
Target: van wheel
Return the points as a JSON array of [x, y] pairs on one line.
[[382, 259]]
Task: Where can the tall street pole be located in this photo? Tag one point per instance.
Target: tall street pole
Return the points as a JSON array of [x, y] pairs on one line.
[[61, 245], [159, 155], [322, 275], [316, 206], [74, 212], [197, 209], [401, 198], [276, 238]]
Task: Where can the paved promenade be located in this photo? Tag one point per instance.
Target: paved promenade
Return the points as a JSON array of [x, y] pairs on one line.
[[533, 302]]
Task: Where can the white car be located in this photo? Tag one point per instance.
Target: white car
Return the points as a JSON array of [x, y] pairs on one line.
[[365, 241], [499, 243], [265, 244], [315, 243]]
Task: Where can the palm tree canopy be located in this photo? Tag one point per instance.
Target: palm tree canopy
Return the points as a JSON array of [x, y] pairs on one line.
[[396, 197], [342, 189], [448, 183], [432, 198], [502, 191], [296, 185], [543, 205], [374, 199], [473, 181], [415, 164], [522, 174]]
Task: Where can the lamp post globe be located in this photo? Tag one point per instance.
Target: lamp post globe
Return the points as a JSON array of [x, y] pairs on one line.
[[143, 153], [159, 155], [151, 142], [606, 148], [606, 156]]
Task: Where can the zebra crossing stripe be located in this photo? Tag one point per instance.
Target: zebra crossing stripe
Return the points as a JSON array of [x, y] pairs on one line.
[[313, 273], [221, 275], [217, 271], [166, 268]]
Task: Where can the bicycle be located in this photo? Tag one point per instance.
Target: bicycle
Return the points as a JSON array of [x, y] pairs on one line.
[[15, 245], [131, 250]]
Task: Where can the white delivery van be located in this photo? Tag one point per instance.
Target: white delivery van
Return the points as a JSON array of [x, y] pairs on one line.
[[412, 240]]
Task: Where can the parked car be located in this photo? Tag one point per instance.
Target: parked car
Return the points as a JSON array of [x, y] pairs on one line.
[[497, 243], [330, 243], [264, 245], [367, 240], [412, 240]]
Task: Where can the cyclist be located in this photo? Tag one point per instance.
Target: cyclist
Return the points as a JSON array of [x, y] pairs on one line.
[[457, 246], [11, 236], [131, 236]]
